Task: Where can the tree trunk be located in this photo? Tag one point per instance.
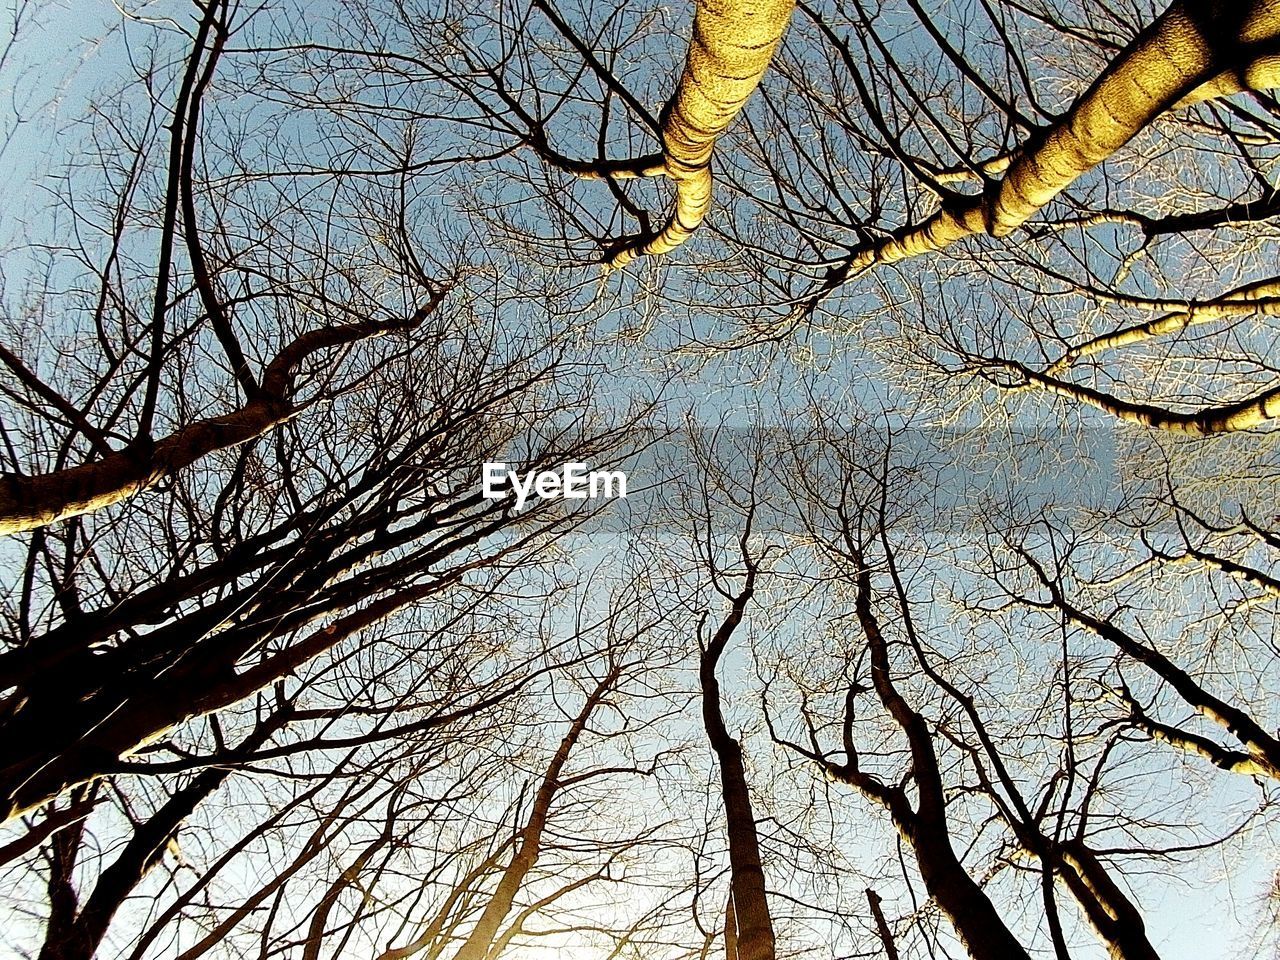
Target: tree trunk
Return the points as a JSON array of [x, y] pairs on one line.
[[732, 45], [752, 927]]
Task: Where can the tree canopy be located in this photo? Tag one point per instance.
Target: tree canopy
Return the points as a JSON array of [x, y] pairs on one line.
[[936, 342]]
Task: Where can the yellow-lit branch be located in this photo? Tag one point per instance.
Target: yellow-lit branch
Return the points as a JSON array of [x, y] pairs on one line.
[[733, 43], [1262, 296], [1196, 50]]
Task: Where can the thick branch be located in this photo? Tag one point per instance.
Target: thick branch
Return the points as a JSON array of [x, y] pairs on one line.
[[1260, 744], [486, 929], [974, 918], [1247, 414], [748, 924], [36, 501], [732, 45], [1196, 50], [1262, 296]]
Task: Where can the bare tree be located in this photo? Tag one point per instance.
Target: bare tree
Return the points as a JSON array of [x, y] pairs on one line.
[[748, 926], [277, 678]]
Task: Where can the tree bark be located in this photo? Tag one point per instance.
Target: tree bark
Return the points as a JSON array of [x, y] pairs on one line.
[[974, 918], [732, 45], [1196, 50], [78, 938], [748, 924]]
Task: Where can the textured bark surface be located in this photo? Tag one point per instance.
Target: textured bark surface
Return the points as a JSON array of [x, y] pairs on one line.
[[732, 45], [1196, 50], [1246, 414], [30, 502], [1262, 296], [1109, 910]]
